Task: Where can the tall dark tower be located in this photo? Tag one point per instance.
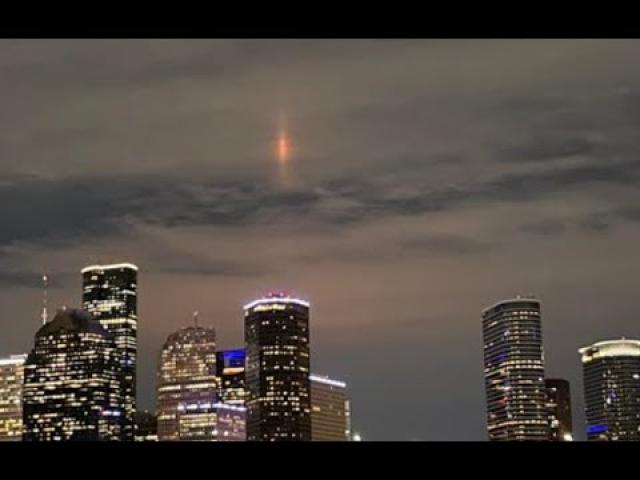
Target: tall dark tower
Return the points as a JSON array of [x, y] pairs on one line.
[[612, 390], [559, 406], [71, 382], [109, 293], [514, 371], [277, 369]]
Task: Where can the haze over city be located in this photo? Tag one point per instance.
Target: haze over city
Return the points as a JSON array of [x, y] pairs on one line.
[[400, 186]]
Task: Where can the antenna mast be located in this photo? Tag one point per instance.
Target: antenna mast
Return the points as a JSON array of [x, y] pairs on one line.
[[45, 286], [195, 318]]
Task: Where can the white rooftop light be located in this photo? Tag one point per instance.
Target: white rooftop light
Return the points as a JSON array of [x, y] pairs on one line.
[[610, 348], [276, 300], [327, 381], [113, 266]]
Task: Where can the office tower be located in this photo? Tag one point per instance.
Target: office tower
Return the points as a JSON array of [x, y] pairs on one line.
[[611, 372], [146, 426], [71, 385], [277, 369], [231, 423], [330, 410], [110, 295], [230, 371], [197, 422], [514, 370], [187, 377], [11, 380], [559, 408]]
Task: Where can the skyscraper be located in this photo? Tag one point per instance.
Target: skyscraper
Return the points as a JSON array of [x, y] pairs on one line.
[[187, 385], [230, 371], [146, 426], [110, 294], [514, 370], [612, 389], [559, 408], [231, 423], [330, 410], [11, 380], [277, 369], [72, 389]]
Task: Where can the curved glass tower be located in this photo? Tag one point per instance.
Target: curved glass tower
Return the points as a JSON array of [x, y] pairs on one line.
[[612, 389], [514, 371]]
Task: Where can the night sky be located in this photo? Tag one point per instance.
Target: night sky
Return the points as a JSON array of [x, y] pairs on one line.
[[400, 186]]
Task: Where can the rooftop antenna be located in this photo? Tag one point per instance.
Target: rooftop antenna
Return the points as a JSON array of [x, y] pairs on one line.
[[195, 318], [45, 287]]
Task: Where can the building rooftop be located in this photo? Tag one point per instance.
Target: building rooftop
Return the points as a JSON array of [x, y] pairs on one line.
[[623, 347], [279, 297], [518, 298], [109, 267], [72, 320]]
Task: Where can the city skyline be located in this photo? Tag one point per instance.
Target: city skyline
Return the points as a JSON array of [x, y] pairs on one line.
[[400, 186]]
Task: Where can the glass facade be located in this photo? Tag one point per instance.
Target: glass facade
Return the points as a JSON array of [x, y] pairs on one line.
[[110, 295], [514, 371], [559, 407], [11, 381], [277, 369], [230, 370], [187, 385], [330, 410], [231, 423], [72, 388], [611, 372]]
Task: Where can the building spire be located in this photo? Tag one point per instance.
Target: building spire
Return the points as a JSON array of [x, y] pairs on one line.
[[45, 287], [195, 318]]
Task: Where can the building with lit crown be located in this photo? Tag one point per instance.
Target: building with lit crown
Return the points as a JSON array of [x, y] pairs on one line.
[[514, 370], [330, 410], [230, 370], [109, 293], [277, 369], [72, 388], [11, 380], [187, 386], [611, 372], [559, 408]]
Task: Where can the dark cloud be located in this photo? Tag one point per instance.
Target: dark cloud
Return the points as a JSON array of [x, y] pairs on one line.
[[596, 222], [451, 244], [544, 227], [549, 149]]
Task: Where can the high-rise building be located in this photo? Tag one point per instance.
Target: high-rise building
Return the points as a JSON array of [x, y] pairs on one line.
[[11, 380], [514, 370], [72, 388], [612, 389], [187, 385], [277, 369], [330, 410], [230, 370], [559, 408], [146, 426], [231, 423], [110, 294], [197, 422]]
